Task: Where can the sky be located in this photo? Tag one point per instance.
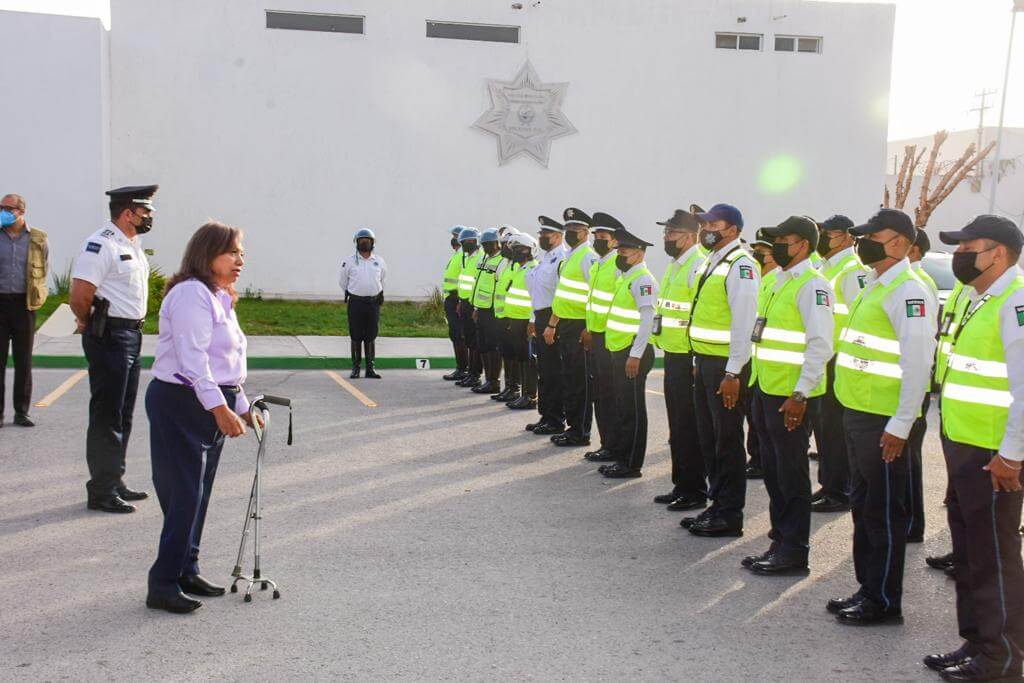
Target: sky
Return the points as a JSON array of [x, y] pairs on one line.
[[944, 52]]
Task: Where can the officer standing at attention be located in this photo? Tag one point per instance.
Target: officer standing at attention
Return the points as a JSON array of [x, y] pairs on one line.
[[506, 349], [792, 344], [761, 251], [629, 327], [983, 441], [883, 368], [671, 335], [469, 238], [109, 293], [846, 276], [541, 283], [24, 262], [362, 279], [722, 319], [450, 289], [604, 276], [483, 312], [519, 311], [569, 321]]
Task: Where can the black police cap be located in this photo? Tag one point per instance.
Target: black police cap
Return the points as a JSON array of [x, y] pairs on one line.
[[987, 226], [572, 215], [133, 194], [836, 222], [681, 220], [894, 219], [550, 224], [923, 242], [801, 226]]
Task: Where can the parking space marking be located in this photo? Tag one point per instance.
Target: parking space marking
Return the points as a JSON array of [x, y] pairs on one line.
[[347, 386], [52, 397]]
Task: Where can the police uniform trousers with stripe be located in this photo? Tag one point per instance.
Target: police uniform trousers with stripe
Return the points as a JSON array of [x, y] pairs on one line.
[[786, 475], [114, 367], [720, 431], [549, 391], [833, 461], [688, 477], [576, 390], [185, 447], [631, 406], [985, 526], [915, 472], [878, 500], [605, 411]]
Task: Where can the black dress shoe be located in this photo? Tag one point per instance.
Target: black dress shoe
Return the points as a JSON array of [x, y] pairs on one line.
[[371, 373], [486, 388], [110, 504], [454, 375], [683, 503], [355, 372], [778, 565], [619, 472], [715, 527], [573, 441], [471, 382], [125, 493], [751, 559], [567, 434], [687, 522], [754, 472], [524, 402], [817, 495], [197, 585], [600, 455], [950, 572], [981, 668], [958, 656], [178, 604], [23, 420], [548, 428], [836, 605], [830, 504], [869, 613], [939, 561], [665, 498], [504, 396], [533, 425]]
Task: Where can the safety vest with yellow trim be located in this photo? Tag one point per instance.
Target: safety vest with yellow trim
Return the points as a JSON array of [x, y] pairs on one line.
[[603, 278], [868, 373], [504, 275], [835, 274], [928, 279], [573, 290], [976, 394], [483, 292], [947, 328], [451, 273], [778, 358], [711, 315], [468, 272], [517, 298], [675, 305], [624, 315]]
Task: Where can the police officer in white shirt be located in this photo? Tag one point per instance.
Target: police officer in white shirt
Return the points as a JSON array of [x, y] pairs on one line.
[[109, 293], [362, 280]]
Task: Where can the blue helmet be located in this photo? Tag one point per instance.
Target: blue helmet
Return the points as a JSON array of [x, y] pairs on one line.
[[489, 235], [456, 229], [364, 232], [469, 234]]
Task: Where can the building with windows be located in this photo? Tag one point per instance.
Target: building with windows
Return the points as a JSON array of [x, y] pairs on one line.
[[303, 120]]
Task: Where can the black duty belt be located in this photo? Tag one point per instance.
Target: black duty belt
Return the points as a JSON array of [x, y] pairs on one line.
[[124, 324]]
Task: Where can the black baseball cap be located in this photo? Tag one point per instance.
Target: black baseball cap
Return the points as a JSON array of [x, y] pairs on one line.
[[801, 226], [681, 220], [893, 219], [987, 226], [836, 222], [723, 212], [923, 242]]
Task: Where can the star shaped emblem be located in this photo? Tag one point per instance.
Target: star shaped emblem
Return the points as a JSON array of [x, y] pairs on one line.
[[525, 115]]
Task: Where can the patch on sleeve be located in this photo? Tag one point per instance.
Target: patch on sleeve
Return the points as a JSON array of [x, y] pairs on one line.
[[1020, 315], [107, 233], [126, 257], [746, 273], [646, 290], [862, 280], [93, 247], [915, 308], [344, 263], [821, 297]]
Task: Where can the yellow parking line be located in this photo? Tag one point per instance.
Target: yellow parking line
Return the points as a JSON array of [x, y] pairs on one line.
[[52, 397], [347, 386]]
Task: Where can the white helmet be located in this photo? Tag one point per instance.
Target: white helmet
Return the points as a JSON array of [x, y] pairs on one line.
[[523, 240]]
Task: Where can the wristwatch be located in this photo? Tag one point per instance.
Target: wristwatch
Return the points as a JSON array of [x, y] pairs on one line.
[[798, 397], [731, 375], [552, 327]]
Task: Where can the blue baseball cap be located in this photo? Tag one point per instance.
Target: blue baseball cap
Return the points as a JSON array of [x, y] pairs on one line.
[[723, 212]]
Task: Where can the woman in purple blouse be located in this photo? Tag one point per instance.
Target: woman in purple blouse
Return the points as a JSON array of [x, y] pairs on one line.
[[193, 402]]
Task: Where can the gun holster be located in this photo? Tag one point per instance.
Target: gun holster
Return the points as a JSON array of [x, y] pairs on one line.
[[97, 324]]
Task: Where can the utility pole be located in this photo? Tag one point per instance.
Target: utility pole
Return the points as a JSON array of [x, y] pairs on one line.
[[1018, 6], [979, 172]]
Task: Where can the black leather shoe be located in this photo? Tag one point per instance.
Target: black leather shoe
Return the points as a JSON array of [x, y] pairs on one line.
[[715, 527], [454, 375], [177, 604], [954, 658], [619, 472], [950, 572], [939, 561], [504, 396], [533, 425], [836, 605], [600, 455], [371, 373], [687, 522], [197, 585], [981, 668], [573, 441], [546, 429], [751, 559], [778, 565], [830, 504], [111, 504], [23, 420], [683, 503], [567, 434], [665, 498], [355, 372], [817, 495], [486, 388], [125, 493], [754, 472], [522, 403], [869, 613]]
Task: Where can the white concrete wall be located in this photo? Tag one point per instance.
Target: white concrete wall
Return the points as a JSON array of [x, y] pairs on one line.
[[302, 137], [54, 125]]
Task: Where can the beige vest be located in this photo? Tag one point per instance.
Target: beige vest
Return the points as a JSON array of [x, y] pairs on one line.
[[35, 271]]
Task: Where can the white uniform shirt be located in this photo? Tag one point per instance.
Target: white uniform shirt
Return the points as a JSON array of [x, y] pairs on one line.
[[814, 300], [916, 335], [363, 276], [645, 293], [542, 281], [1011, 328], [851, 283], [741, 293], [118, 267]]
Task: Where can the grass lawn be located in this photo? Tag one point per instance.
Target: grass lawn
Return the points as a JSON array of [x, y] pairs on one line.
[[290, 317]]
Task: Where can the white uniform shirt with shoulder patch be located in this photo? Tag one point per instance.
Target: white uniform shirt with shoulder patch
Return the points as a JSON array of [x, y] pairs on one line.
[[118, 268]]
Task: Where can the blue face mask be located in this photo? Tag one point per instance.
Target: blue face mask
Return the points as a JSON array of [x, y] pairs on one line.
[[7, 218]]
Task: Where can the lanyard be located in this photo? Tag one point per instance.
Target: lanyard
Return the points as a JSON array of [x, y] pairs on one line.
[[970, 313]]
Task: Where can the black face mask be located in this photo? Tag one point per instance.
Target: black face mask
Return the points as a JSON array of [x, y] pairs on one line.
[[506, 252], [545, 242], [780, 252], [622, 263], [672, 249], [145, 226], [602, 247], [711, 239], [521, 255], [455, 243], [490, 248], [469, 246], [759, 257], [965, 267], [572, 238], [870, 251], [824, 244], [364, 246]]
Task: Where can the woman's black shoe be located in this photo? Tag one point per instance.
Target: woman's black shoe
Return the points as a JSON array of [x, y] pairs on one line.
[[176, 604]]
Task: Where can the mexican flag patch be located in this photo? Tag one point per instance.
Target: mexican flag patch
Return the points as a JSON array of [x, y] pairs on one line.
[[915, 308], [862, 280], [645, 290], [821, 297], [1020, 315], [746, 273]]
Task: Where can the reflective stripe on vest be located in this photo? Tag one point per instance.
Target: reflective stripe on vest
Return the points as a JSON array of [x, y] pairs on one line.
[[835, 275], [675, 307], [451, 272], [483, 291], [623, 315], [501, 288], [517, 298], [711, 315], [468, 273], [603, 277], [573, 290]]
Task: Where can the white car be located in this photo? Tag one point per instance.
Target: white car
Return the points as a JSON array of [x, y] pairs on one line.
[[939, 265]]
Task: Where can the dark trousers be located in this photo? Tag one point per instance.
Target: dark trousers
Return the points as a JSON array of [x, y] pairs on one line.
[[113, 384], [605, 412], [631, 406], [549, 385], [363, 318], [786, 476], [721, 439], [469, 334], [986, 553], [878, 500], [576, 390], [520, 345], [753, 437], [833, 460], [451, 304], [506, 341], [185, 447], [687, 459], [17, 330], [915, 472], [486, 330]]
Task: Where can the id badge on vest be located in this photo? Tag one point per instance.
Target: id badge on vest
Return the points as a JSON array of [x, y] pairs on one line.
[[759, 324], [656, 328]]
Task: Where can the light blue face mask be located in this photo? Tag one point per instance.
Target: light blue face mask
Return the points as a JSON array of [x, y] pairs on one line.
[[7, 218]]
